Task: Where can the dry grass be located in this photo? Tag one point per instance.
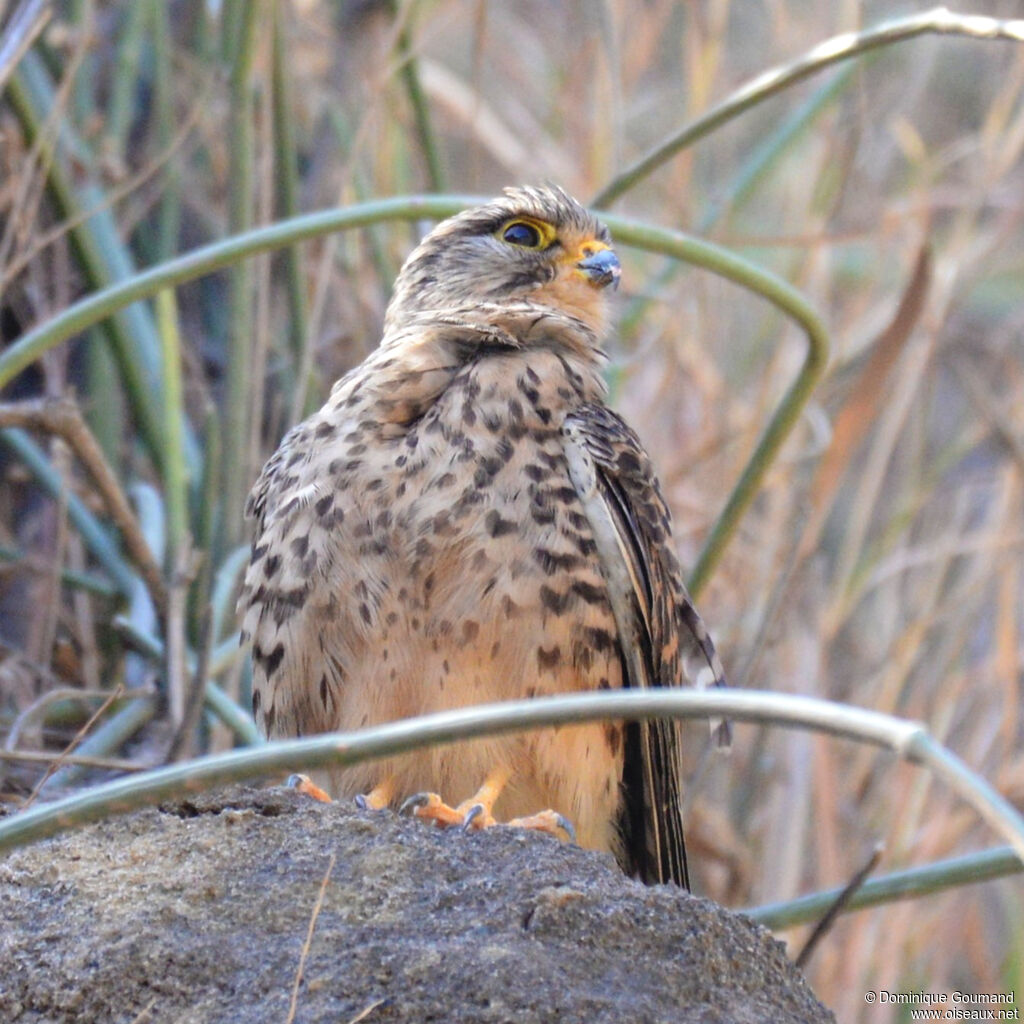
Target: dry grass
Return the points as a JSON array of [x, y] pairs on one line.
[[881, 564]]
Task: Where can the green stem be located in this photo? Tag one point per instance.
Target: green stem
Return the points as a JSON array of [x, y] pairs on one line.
[[124, 87], [23, 27], [87, 581], [169, 213], [108, 302], [770, 83], [238, 411], [225, 589], [899, 885], [96, 539], [102, 254], [105, 410], [771, 151], [151, 648], [286, 163], [341, 749], [82, 107], [205, 512], [631, 232], [173, 458], [107, 738], [421, 112], [789, 301]]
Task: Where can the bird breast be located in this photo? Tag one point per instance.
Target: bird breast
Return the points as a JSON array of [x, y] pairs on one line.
[[463, 553]]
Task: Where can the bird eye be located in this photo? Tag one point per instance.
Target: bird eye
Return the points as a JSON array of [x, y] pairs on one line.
[[521, 233]]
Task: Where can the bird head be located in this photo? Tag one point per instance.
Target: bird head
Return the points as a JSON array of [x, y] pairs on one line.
[[531, 246]]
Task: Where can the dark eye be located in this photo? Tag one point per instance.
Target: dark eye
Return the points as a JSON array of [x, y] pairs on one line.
[[521, 233]]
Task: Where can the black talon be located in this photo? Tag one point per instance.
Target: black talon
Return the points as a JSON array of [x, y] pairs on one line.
[[361, 802], [296, 780], [416, 800], [471, 815], [566, 825]]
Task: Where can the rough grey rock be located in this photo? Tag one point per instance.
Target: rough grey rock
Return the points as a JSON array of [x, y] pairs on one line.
[[199, 912]]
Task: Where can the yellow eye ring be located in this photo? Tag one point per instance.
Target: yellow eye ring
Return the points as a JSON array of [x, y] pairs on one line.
[[526, 233]]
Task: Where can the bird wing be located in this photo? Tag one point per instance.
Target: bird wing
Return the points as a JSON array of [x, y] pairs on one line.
[[663, 640]]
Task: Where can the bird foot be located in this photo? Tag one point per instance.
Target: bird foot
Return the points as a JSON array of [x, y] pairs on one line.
[[546, 821], [476, 814], [431, 807], [307, 787], [378, 798]]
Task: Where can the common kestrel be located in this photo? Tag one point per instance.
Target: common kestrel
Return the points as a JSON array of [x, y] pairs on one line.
[[465, 521]]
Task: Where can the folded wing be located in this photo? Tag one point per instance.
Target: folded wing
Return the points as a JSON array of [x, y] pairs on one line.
[[663, 640]]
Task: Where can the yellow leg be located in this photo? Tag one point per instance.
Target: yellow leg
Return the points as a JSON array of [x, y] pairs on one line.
[[478, 810], [379, 797]]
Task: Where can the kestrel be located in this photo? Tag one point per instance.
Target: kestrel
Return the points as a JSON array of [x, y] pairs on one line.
[[465, 521]]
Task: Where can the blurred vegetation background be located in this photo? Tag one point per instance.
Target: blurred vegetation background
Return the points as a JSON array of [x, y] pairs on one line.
[[881, 562]]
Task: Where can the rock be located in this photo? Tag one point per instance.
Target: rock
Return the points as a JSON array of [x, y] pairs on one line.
[[199, 911]]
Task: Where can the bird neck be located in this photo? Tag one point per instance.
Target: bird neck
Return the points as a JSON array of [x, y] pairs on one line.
[[418, 359]]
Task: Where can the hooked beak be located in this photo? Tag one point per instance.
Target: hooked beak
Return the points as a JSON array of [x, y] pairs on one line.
[[601, 268]]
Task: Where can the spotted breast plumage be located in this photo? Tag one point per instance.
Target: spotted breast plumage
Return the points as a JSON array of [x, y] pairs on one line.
[[465, 521]]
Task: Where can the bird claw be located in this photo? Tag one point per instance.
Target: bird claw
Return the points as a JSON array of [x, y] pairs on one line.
[[377, 799], [471, 815], [547, 821], [567, 827], [476, 814], [433, 808], [411, 805], [304, 784]]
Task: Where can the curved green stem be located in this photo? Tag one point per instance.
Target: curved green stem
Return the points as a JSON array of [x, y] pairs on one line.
[[92, 532], [908, 739], [96, 307], [631, 232], [102, 254], [939, 20], [786, 298]]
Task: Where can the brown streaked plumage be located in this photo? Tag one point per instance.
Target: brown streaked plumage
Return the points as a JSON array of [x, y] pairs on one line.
[[464, 521]]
